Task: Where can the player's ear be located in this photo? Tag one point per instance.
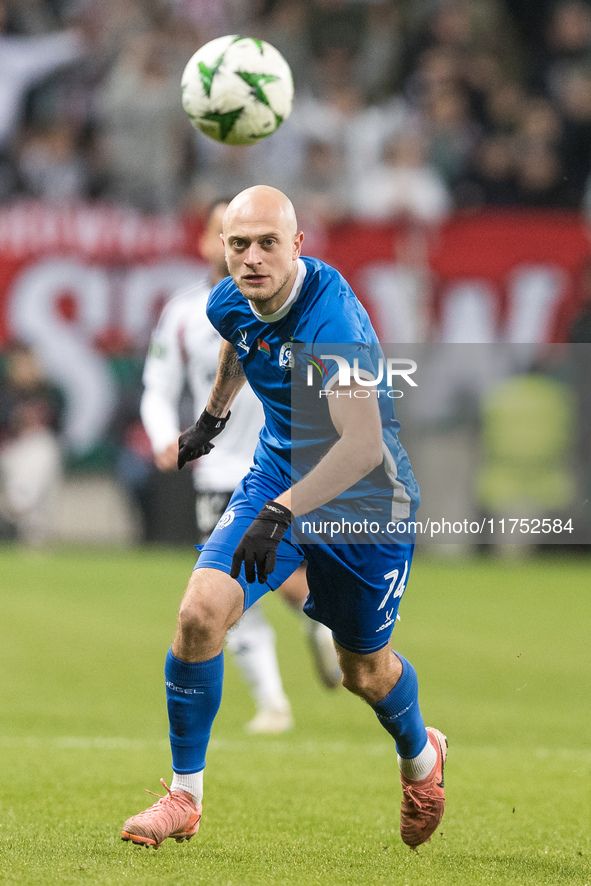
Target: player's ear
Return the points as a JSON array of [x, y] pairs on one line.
[[297, 244]]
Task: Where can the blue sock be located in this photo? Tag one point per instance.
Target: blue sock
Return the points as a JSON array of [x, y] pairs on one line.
[[400, 715], [193, 697]]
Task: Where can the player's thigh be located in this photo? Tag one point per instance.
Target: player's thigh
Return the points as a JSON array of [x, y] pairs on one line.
[[294, 589], [356, 589]]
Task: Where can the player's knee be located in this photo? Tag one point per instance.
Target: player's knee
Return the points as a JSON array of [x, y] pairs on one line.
[[201, 617], [198, 618], [207, 610]]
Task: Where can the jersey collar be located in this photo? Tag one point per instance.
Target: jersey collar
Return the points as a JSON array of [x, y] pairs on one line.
[[286, 306]]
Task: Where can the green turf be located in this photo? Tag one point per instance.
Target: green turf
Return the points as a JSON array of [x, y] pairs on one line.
[[502, 652]]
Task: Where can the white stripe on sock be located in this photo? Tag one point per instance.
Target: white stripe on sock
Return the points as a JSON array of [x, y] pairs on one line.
[[419, 767]]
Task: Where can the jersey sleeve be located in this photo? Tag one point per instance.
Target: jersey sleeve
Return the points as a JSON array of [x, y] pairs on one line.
[[345, 343], [218, 305], [358, 363], [163, 380]]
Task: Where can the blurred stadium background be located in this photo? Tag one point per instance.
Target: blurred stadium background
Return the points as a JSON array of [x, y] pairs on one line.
[[438, 153]]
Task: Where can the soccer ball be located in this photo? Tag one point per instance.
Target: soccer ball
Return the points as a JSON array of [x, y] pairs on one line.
[[237, 90]]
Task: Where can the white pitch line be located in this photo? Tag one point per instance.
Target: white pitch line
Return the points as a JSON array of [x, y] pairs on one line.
[[76, 742], [281, 745]]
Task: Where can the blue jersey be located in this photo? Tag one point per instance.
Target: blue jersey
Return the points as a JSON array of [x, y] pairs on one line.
[[284, 351]]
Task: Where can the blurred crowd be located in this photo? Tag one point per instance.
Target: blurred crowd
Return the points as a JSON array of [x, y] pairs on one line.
[[31, 409], [402, 108]]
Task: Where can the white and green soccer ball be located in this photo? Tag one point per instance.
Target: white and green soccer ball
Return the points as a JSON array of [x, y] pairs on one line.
[[237, 90]]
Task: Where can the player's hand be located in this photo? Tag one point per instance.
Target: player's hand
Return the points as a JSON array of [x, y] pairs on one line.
[[196, 441], [166, 458], [258, 546]]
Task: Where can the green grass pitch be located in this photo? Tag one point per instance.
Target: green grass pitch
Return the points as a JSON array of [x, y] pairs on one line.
[[502, 652]]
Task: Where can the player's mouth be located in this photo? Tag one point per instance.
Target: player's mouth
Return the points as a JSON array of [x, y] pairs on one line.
[[257, 279]]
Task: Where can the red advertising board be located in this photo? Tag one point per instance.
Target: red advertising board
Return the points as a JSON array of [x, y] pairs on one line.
[[523, 267], [81, 281]]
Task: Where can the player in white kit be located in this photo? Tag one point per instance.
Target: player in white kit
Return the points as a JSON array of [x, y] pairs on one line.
[[185, 347]]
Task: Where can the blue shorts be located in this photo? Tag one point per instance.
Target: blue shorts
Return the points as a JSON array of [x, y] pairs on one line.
[[355, 589]]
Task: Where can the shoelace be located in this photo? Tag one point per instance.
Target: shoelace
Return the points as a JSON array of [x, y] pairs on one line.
[[156, 808], [421, 799], [161, 796]]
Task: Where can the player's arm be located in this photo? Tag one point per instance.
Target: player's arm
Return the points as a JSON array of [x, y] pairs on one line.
[[357, 452], [228, 382], [163, 381], [159, 418], [196, 441]]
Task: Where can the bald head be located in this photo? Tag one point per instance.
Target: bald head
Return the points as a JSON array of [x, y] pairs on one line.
[[262, 202], [262, 242]]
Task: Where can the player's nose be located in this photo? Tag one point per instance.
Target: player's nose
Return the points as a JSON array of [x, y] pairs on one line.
[[253, 256]]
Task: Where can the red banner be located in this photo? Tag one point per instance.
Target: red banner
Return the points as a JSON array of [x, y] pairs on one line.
[[507, 269], [78, 282], [494, 276]]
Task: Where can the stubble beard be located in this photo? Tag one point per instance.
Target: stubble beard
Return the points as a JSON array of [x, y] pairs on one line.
[[259, 301]]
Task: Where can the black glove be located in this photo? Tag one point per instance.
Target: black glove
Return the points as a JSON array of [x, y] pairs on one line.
[[258, 546], [196, 441]]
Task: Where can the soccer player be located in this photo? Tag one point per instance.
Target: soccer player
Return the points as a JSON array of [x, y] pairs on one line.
[[185, 347], [276, 297]]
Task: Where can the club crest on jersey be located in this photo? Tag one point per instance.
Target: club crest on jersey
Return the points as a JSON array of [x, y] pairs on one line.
[[226, 519], [286, 358], [264, 347]]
